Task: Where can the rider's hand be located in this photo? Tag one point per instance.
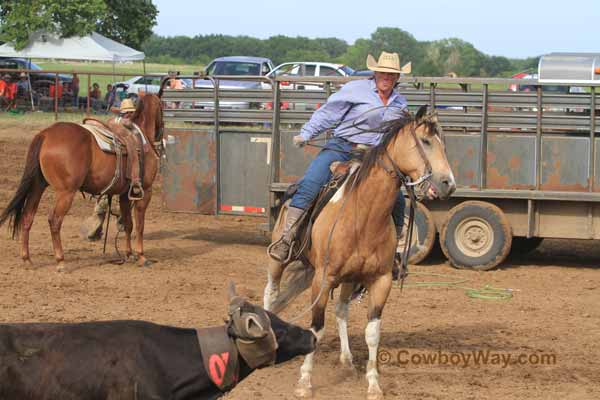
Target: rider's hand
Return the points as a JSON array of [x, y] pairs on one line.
[[298, 141]]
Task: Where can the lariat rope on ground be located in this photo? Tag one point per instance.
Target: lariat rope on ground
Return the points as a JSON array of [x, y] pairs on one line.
[[486, 292]]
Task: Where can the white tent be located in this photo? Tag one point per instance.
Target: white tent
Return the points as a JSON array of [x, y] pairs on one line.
[[91, 47]]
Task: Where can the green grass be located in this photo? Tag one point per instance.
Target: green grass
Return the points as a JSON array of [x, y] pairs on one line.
[[105, 67], [45, 118]]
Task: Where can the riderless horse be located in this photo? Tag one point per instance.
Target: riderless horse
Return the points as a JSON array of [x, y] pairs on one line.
[[66, 157], [353, 239]]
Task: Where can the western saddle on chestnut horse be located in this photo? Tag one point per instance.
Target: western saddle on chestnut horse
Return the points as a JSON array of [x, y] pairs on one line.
[[113, 144]]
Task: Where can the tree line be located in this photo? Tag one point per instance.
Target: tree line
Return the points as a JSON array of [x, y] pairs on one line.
[[429, 58], [131, 22]]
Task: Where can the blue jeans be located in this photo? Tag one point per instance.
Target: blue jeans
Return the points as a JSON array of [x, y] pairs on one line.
[[318, 174]]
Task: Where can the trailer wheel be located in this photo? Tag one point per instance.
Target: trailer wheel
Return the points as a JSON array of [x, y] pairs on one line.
[[423, 237], [476, 235], [523, 245]]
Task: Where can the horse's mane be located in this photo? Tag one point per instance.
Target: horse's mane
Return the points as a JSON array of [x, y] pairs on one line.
[[390, 130], [139, 108], [141, 104]]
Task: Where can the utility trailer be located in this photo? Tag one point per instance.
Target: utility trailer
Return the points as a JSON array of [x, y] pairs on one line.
[[526, 163]]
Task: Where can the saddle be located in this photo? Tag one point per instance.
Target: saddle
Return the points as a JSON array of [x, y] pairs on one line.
[[343, 173], [106, 139], [108, 142]]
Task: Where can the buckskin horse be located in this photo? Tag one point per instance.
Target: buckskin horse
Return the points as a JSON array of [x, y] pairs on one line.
[[353, 239], [65, 156]]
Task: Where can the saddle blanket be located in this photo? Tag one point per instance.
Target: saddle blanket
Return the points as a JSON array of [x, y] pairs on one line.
[[105, 138]]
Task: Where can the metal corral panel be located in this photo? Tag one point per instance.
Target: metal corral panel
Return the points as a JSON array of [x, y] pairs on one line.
[[244, 172], [510, 161], [294, 161], [565, 163], [463, 154], [189, 174]]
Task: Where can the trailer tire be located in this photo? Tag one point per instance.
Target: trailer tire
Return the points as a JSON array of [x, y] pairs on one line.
[[476, 235], [423, 237]]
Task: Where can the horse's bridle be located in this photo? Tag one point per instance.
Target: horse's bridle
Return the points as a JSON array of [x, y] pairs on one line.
[[403, 179]]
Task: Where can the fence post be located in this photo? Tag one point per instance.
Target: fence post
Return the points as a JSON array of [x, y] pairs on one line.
[[483, 142], [87, 107], [56, 97], [274, 172]]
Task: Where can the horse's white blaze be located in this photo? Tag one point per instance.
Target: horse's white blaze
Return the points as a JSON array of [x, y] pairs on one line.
[[372, 334], [341, 316]]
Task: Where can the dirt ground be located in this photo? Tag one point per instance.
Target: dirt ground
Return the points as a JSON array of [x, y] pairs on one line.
[[553, 320]]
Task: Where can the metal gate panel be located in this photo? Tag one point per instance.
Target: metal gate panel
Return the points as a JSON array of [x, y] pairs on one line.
[[597, 166], [244, 164], [565, 163], [295, 161], [189, 173], [510, 161], [463, 155]]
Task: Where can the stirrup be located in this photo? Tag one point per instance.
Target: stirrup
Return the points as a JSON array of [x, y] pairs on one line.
[[133, 197], [274, 257]]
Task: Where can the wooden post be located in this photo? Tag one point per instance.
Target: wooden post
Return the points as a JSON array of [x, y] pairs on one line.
[[87, 112], [56, 97]]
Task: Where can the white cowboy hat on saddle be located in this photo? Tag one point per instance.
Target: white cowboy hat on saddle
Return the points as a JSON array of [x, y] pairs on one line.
[[388, 62]]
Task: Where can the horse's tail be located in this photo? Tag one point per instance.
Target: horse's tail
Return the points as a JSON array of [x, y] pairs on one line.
[[31, 176], [298, 277]]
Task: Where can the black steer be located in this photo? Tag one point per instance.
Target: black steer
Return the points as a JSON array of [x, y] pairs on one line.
[[137, 360]]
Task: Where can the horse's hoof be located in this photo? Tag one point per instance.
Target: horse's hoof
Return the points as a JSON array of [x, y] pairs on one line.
[[376, 394], [303, 392], [144, 262], [347, 367], [61, 267]]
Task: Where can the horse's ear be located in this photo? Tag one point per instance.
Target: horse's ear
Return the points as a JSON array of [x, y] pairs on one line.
[[421, 113]]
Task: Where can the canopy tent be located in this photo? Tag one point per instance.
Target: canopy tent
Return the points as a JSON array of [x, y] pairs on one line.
[[93, 47]]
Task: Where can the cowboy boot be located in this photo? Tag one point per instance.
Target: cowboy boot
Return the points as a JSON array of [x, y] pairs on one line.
[[136, 192], [281, 249], [92, 226]]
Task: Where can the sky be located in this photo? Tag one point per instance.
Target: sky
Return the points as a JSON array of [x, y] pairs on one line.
[[510, 28]]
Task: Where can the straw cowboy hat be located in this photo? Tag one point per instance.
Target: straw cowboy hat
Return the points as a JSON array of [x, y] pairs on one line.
[[388, 62], [127, 106]]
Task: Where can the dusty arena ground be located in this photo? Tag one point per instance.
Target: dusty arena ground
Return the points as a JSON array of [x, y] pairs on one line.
[[550, 329]]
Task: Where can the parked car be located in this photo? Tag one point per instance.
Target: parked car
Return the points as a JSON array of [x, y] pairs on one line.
[[307, 69], [21, 63], [137, 84], [234, 66], [547, 89]]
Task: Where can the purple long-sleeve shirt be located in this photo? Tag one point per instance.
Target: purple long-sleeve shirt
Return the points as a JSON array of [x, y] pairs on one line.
[[366, 112]]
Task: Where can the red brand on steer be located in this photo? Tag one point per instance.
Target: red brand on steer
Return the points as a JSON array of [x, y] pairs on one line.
[[218, 366]]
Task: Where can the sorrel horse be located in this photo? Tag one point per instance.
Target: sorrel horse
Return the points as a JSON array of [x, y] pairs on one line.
[[354, 239], [67, 157]]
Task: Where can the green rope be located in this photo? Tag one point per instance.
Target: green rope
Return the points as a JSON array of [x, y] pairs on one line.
[[485, 293]]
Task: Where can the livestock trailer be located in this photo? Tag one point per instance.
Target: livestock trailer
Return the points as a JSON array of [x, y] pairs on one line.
[[526, 162]]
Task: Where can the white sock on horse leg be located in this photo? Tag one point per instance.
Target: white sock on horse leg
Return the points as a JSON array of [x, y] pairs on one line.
[[372, 335], [341, 316]]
